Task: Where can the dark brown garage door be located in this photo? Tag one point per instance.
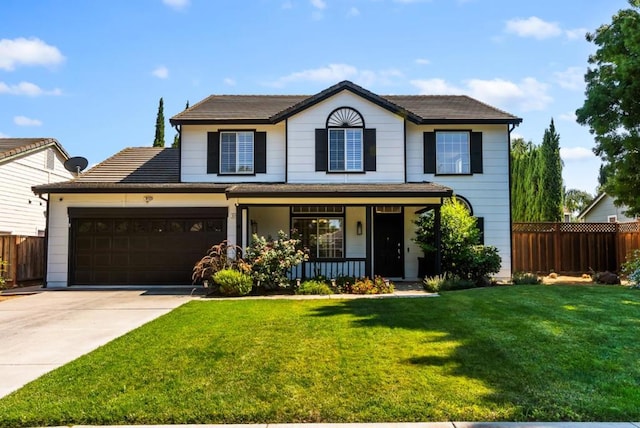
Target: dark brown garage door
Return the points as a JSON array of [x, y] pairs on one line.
[[141, 246]]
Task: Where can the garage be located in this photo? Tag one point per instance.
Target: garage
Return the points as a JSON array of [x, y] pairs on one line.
[[138, 246]]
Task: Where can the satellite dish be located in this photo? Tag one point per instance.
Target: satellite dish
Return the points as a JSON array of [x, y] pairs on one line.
[[76, 164]]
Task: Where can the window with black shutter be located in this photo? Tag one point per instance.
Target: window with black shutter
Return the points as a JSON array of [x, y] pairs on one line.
[[455, 152]]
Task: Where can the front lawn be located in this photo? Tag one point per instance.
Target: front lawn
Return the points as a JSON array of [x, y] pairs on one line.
[[553, 353]]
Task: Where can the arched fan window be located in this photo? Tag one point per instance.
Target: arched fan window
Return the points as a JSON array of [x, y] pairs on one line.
[[345, 117]]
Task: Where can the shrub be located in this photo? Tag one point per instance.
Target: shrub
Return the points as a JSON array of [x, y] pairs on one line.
[[314, 287], [219, 257], [524, 278], [232, 282], [446, 282], [344, 284], [378, 285], [461, 254], [631, 268], [3, 266], [271, 260]]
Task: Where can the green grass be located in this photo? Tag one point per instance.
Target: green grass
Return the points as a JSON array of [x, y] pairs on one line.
[[506, 353]]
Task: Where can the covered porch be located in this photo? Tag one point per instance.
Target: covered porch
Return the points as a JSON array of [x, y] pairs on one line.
[[350, 230]]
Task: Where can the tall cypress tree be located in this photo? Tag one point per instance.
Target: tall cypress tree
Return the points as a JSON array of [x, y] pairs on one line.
[[159, 140], [551, 179]]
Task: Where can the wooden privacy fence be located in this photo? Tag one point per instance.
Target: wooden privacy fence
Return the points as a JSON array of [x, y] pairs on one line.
[[25, 258], [573, 248]]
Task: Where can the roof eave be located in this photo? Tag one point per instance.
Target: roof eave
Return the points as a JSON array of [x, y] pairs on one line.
[[174, 122], [125, 188], [514, 121]]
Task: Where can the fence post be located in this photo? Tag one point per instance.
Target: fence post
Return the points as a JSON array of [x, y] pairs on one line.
[[557, 245]]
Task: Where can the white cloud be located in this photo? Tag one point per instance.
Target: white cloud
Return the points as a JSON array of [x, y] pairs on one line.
[[533, 27], [23, 51], [568, 117], [27, 88], [354, 11], [229, 81], [571, 78], [318, 4], [26, 121], [337, 72], [177, 4], [423, 61], [527, 95], [576, 33], [569, 154], [161, 72]]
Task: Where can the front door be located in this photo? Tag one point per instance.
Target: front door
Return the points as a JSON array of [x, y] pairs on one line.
[[388, 233]]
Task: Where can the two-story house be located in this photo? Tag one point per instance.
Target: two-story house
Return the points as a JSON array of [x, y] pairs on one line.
[[347, 169], [24, 163]]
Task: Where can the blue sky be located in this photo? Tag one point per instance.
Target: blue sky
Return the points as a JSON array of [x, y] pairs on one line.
[[90, 73]]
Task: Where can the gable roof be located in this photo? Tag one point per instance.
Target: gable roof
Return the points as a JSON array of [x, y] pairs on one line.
[[268, 109], [591, 206], [11, 148]]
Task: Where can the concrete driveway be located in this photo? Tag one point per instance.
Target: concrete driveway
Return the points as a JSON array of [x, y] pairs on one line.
[[43, 331]]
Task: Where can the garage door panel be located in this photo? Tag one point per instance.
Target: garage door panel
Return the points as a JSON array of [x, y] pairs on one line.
[[140, 251]]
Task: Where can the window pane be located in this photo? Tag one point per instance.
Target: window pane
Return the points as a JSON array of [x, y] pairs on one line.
[[227, 152], [307, 232], [452, 153], [336, 150], [354, 149], [330, 237], [245, 152]]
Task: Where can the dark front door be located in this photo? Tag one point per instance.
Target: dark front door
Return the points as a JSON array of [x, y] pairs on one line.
[[388, 257]]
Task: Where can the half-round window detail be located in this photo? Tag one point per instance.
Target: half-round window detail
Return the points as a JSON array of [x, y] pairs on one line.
[[345, 117], [465, 203]]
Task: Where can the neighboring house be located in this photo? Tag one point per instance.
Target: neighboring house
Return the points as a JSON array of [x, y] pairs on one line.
[[24, 163], [603, 209], [349, 170]]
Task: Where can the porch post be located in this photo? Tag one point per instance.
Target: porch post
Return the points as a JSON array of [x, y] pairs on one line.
[[436, 226], [368, 239]]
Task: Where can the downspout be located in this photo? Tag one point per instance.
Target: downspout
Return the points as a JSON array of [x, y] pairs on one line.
[[46, 243], [509, 130]]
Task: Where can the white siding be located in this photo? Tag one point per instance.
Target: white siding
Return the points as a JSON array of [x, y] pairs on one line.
[[488, 192], [605, 208], [21, 211], [193, 166], [389, 142], [58, 249]]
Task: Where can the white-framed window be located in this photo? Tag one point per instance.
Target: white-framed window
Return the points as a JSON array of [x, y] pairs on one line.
[[236, 152], [612, 218], [323, 236], [345, 149], [453, 154]]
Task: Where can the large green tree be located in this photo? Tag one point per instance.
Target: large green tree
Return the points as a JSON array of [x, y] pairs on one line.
[[612, 105], [159, 139], [576, 200], [550, 193]]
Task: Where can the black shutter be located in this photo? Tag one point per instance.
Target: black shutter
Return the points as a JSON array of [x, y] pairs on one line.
[[369, 149], [260, 152], [429, 162], [476, 152], [480, 224], [321, 149], [213, 152]]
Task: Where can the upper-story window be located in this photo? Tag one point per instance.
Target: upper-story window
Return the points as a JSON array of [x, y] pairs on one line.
[[345, 145], [455, 152], [241, 152], [236, 152], [453, 155]]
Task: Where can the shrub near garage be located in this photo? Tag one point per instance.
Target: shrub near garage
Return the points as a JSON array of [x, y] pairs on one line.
[[232, 282]]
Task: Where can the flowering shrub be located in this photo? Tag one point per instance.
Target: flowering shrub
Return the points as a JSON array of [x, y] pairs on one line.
[[271, 260], [631, 268], [219, 257], [378, 285]]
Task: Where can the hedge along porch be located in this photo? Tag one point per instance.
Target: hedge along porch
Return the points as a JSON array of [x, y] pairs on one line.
[[349, 230]]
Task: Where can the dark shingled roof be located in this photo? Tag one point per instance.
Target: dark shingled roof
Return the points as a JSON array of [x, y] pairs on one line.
[[420, 109], [14, 147], [136, 170]]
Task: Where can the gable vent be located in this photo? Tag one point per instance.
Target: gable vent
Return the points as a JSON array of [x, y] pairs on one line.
[[345, 117]]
